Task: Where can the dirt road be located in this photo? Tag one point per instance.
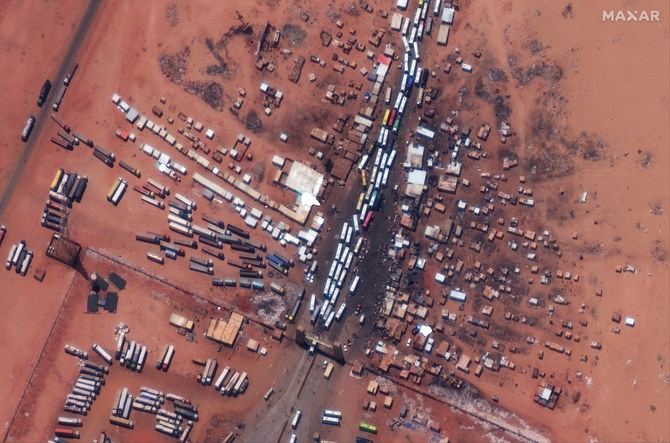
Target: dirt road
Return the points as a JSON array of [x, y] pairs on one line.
[[43, 114]]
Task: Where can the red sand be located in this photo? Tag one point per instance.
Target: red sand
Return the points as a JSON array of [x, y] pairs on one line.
[[614, 88]]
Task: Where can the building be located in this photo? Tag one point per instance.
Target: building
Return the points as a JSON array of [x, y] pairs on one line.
[[443, 35], [448, 15], [415, 154], [396, 21], [457, 295], [416, 182]]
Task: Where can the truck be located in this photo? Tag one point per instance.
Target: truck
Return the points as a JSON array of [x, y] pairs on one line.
[[59, 98], [106, 356], [277, 288], [44, 92], [167, 358], [28, 128], [66, 432], [291, 316], [162, 189], [70, 73], [133, 170]]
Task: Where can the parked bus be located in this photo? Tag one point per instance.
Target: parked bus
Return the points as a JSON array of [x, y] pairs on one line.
[[296, 419], [359, 205], [364, 159], [368, 218], [340, 312], [332, 413], [357, 227], [367, 427], [357, 248], [354, 285], [392, 118], [385, 119], [328, 420]]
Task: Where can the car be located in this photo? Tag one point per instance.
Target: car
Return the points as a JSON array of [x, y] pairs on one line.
[[409, 342]]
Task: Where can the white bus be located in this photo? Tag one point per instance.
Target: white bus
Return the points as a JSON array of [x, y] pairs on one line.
[[333, 298], [332, 413], [296, 419], [330, 420], [357, 248], [364, 159], [385, 177], [312, 303], [405, 27], [350, 259], [389, 161], [329, 322], [402, 105], [354, 285], [338, 251], [396, 105], [343, 233], [340, 312], [345, 251], [357, 226], [412, 68]]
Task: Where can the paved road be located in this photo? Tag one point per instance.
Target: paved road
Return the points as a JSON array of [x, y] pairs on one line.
[[43, 113]]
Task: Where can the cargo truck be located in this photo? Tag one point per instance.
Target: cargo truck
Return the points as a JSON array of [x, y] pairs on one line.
[[136, 172], [59, 98], [66, 432], [70, 73], [106, 356], [44, 92]]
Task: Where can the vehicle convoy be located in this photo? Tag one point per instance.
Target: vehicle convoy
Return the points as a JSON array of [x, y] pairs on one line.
[[44, 92]]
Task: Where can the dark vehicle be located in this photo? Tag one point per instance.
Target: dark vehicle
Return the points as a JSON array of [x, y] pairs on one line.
[[46, 87]]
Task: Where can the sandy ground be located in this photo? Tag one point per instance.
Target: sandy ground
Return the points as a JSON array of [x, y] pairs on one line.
[[145, 306], [600, 126], [625, 173]]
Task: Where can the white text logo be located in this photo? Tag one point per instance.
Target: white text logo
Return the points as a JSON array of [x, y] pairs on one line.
[[631, 16]]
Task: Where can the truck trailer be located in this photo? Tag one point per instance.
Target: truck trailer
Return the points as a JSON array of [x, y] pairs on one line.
[[44, 92], [28, 128]]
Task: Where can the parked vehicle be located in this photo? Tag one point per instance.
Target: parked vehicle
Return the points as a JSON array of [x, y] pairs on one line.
[[28, 128]]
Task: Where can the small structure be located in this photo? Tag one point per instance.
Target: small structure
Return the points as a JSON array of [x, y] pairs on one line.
[[179, 321], [252, 345], [457, 295], [443, 35], [547, 395]]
